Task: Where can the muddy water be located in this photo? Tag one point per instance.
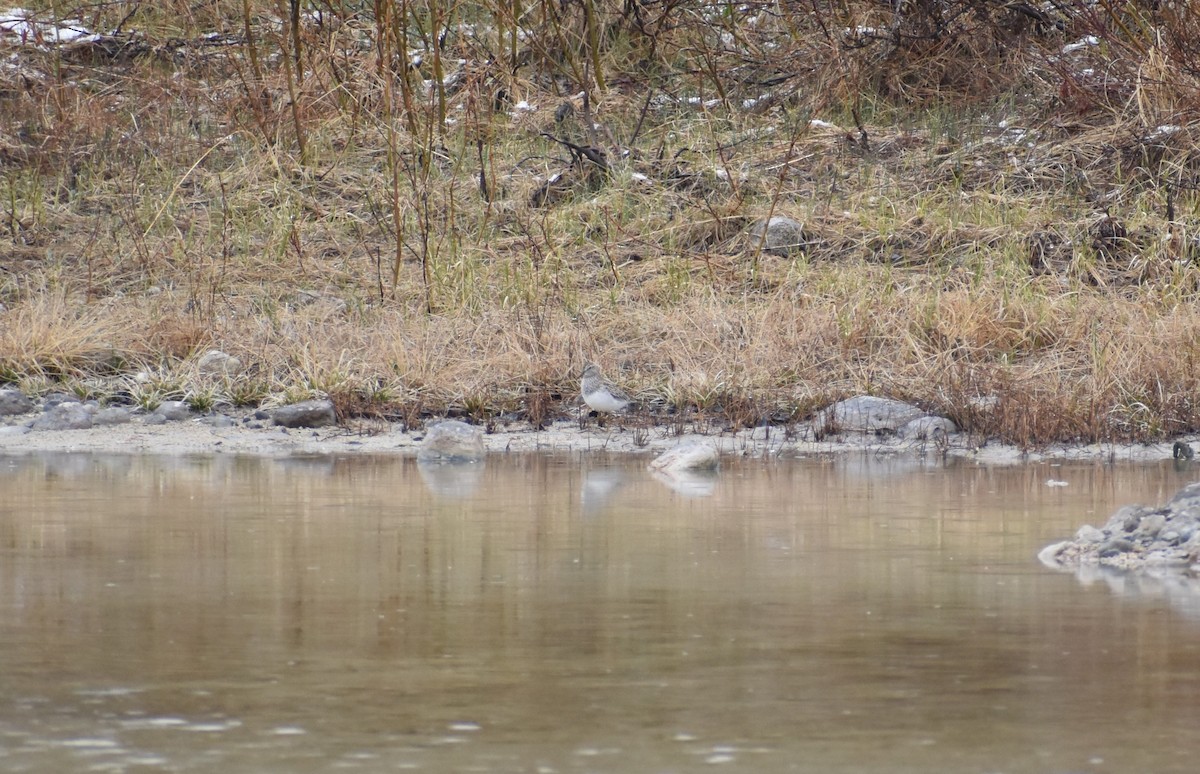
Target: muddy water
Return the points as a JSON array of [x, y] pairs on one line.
[[544, 614]]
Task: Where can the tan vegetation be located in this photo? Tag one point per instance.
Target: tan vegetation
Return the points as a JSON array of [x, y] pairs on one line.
[[451, 206]]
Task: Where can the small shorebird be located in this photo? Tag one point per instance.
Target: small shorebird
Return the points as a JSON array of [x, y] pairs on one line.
[[600, 395]]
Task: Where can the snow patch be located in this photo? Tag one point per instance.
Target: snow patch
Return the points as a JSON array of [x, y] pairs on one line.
[[1084, 42], [24, 28]]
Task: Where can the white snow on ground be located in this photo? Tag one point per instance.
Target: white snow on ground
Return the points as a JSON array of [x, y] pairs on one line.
[[1085, 42], [24, 28], [1163, 132]]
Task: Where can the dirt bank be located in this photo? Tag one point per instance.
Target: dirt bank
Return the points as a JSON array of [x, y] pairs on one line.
[[240, 436]]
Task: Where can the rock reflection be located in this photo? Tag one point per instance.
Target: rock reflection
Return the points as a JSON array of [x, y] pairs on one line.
[[689, 483], [451, 480], [876, 467], [68, 465], [315, 465], [1178, 588]]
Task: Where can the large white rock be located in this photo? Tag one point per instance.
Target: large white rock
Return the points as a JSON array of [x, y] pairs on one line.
[[867, 414], [690, 455], [217, 363], [927, 428], [451, 441]]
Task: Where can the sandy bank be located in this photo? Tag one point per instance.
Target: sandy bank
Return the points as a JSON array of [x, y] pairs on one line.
[[201, 436]]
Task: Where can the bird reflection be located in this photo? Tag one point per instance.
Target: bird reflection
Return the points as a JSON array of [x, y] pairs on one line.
[[598, 488]]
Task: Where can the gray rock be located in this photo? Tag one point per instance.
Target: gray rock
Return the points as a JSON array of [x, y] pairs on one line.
[[12, 431], [218, 363], [1114, 547], [220, 420], [783, 235], [309, 413], [173, 410], [57, 398], [451, 441], [867, 414], [70, 415], [927, 428], [1151, 526], [1136, 537], [154, 419], [115, 415], [1125, 519], [1188, 497], [14, 402]]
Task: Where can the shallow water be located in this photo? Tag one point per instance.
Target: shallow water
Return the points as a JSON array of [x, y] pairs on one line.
[[575, 614]]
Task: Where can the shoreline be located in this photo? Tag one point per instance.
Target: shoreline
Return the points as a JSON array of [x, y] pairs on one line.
[[237, 435]]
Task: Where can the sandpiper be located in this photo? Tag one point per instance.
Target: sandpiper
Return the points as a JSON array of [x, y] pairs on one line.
[[599, 394]]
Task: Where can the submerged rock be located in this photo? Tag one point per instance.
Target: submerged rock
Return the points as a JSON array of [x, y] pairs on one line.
[[71, 415], [867, 414], [691, 455], [1137, 536], [14, 402], [309, 413], [452, 441]]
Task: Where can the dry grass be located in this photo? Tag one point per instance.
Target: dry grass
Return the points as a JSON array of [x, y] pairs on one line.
[[399, 211]]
